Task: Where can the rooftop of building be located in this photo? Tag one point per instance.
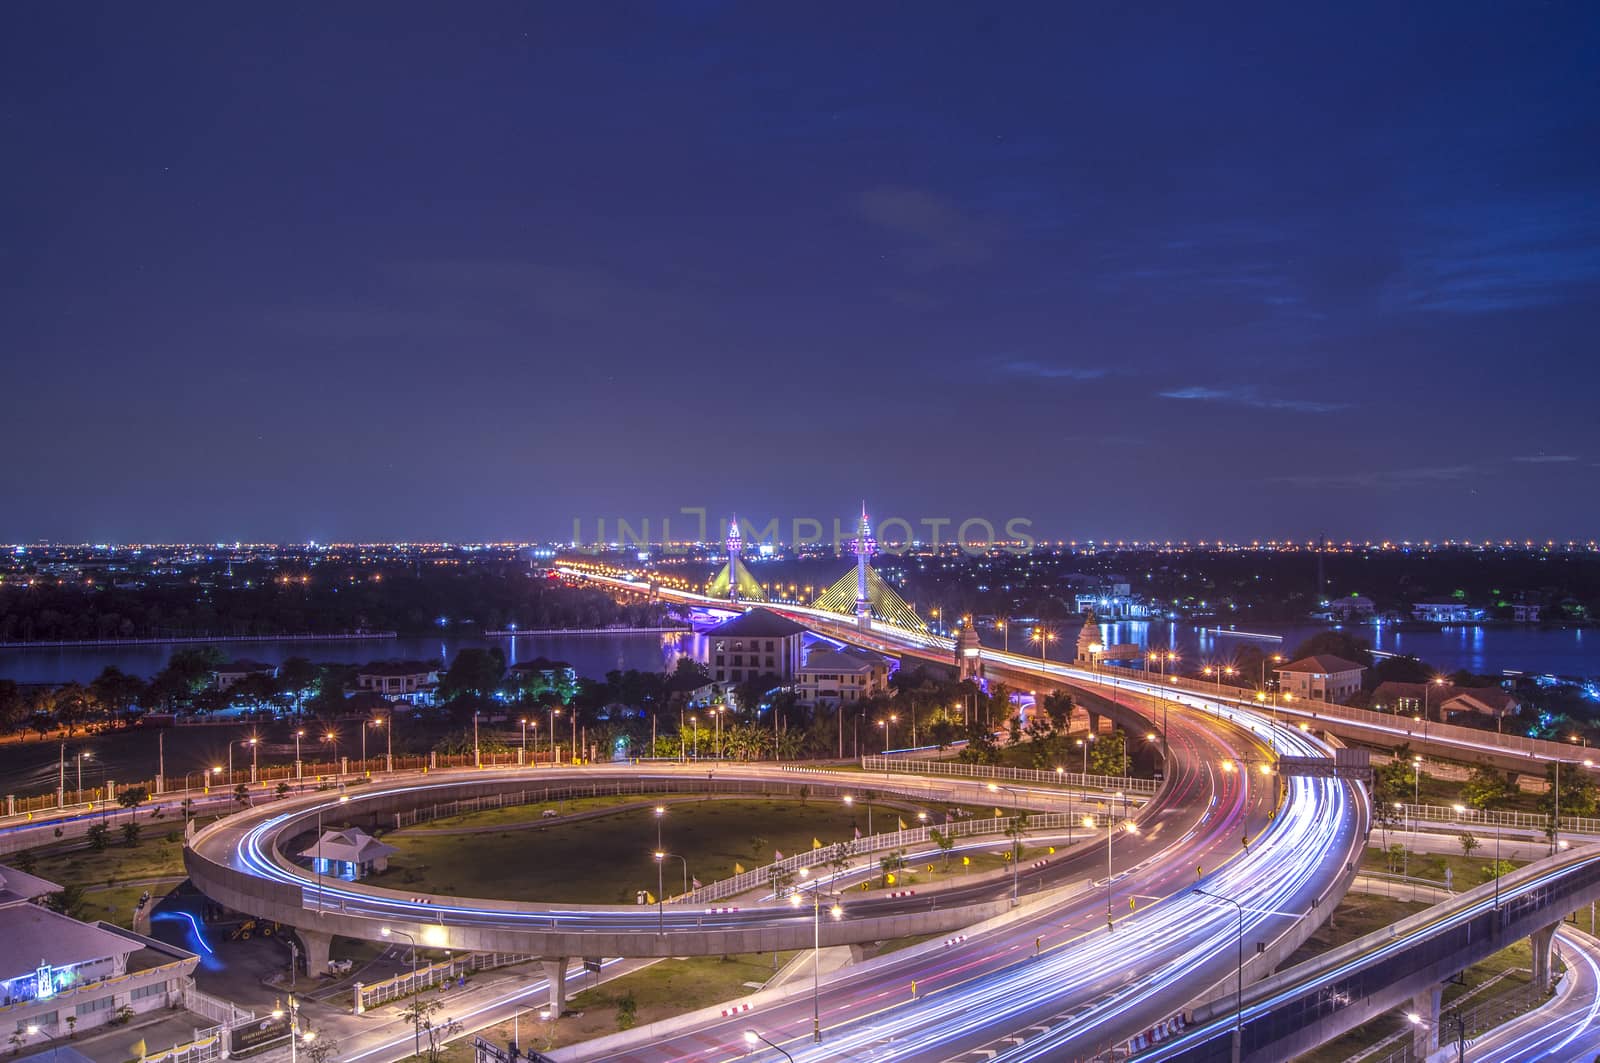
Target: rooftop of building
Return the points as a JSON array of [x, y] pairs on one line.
[[1322, 664], [757, 624], [19, 887], [825, 658], [397, 668]]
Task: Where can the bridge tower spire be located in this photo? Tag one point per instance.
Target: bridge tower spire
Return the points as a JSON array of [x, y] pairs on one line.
[[863, 553], [735, 546]]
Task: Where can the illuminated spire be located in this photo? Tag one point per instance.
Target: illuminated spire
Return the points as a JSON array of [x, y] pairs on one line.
[[735, 544], [863, 552]]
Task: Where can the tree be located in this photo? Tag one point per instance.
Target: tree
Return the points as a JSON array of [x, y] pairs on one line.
[[422, 1011], [627, 1011], [474, 673], [322, 1048], [891, 862], [1578, 794], [117, 691], [1469, 842], [241, 794], [1498, 869], [1485, 788], [1109, 755], [99, 837], [282, 791], [69, 900], [1016, 829], [1396, 855], [13, 706], [945, 842], [132, 797], [1335, 644], [130, 833]]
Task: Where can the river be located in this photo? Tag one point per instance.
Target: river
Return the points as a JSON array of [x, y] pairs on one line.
[[1480, 650]]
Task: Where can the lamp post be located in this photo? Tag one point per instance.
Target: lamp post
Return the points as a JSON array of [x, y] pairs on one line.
[[1083, 744], [1111, 827], [1042, 636], [694, 727], [416, 1031], [332, 738], [477, 752], [885, 724], [685, 862], [1238, 1019], [80, 757], [755, 1037], [524, 740], [554, 712], [294, 1028], [1016, 842], [816, 950], [299, 734], [661, 918], [1005, 636], [660, 811], [387, 723]]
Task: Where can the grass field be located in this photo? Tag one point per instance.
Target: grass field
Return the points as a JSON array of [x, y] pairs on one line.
[[1465, 871], [605, 860], [659, 991]]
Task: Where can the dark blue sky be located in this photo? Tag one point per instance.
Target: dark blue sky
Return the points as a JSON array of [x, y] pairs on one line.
[[423, 270]]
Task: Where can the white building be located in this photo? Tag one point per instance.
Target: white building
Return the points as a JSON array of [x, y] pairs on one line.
[[408, 680], [1353, 608], [1448, 612], [54, 968], [349, 854]]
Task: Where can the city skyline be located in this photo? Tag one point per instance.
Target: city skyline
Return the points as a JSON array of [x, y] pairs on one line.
[[478, 274]]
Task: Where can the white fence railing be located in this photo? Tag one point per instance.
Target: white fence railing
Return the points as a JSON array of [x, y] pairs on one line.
[[223, 1012], [1408, 813], [957, 769], [408, 982], [762, 877]]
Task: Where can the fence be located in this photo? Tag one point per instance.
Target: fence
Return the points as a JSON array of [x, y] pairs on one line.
[[403, 985], [845, 784], [1108, 783], [1525, 820], [763, 876], [207, 1044], [217, 1010]]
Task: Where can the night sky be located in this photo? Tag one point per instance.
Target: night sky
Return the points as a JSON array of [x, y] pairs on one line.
[[400, 271]]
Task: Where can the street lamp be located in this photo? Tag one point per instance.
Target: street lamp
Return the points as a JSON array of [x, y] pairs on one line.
[[387, 723], [660, 810], [685, 862], [885, 724], [1016, 842], [1238, 1021], [1111, 827], [294, 1028], [416, 1032], [1042, 636], [524, 740], [1005, 635], [816, 949], [1083, 744], [332, 738], [299, 734], [661, 918], [755, 1037]]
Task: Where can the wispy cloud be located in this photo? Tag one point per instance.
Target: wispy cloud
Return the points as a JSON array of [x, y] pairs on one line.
[[1546, 459], [1249, 396], [1041, 371], [1383, 477], [938, 232], [1502, 256]]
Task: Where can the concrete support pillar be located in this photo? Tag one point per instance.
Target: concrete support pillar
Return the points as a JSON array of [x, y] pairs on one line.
[[1094, 722], [555, 972], [1425, 1034], [863, 950], [315, 945], [1540, 941]]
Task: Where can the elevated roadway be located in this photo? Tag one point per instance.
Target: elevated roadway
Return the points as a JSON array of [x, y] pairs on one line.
[[1405, 964]]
